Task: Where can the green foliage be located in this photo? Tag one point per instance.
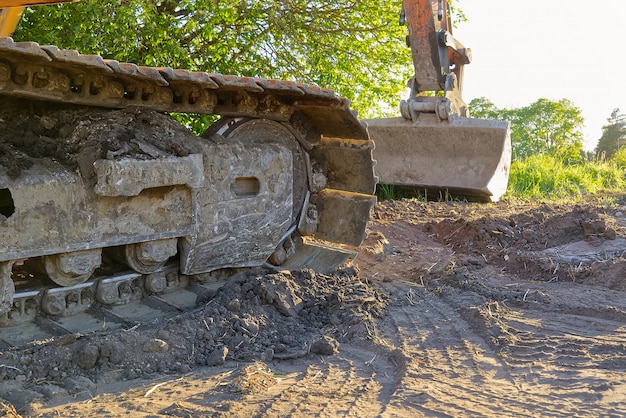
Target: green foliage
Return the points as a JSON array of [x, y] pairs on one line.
[[543, 127], [547, 177], [387, 192], [619, 158], [613, 136], [457, 15], [482, 107], [547, 126], [391, 192], [355, 47]]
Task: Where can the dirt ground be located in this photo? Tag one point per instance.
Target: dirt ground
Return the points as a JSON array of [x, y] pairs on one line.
[[450, 309]]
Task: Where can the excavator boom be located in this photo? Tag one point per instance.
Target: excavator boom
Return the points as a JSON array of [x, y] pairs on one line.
[[9, 17], [435, 148]]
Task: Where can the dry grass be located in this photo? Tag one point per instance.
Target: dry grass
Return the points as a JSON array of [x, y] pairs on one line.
[[255, 377], [9, 411]]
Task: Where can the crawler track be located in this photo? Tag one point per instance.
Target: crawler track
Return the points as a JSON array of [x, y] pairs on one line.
[[125, 299], [332, 178]]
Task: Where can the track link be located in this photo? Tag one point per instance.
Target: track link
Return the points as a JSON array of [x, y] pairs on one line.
[[333, 179], [122, 300]]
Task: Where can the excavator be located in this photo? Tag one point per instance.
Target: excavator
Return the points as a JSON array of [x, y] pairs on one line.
[[105, 199]]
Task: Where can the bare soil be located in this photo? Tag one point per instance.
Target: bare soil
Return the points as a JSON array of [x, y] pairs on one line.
[[450, 309]]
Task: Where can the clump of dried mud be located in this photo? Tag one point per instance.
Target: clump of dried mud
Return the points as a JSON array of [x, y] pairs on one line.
[[256, 315], [75, 136]]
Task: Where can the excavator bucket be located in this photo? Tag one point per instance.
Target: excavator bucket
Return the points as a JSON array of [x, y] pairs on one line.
[[464, 157], [435, 148]]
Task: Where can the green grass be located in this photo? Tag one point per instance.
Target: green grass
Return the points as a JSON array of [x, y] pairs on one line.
[[544, 177], [391, 192]]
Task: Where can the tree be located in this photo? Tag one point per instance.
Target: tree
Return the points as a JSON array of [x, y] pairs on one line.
[[550, 127], [355, 47], [482, 107], [543, 127], [613, 135]]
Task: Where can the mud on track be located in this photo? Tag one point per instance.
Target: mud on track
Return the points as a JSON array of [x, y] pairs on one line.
[[450, 309]]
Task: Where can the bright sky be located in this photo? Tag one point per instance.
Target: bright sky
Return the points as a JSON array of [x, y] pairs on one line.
[[523, 50]]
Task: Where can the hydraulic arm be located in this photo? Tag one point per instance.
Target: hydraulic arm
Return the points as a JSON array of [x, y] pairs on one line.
[[438, 59]]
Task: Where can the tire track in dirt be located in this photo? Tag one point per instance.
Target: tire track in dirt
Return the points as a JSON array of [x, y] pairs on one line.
[[348, 384], [345, 385], [450, 370], [340, 388], [546, 371], [558, 351], [563, 339], [576, 357]]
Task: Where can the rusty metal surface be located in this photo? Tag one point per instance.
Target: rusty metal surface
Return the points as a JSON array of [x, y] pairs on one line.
[[438, 59], [421, 18]]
